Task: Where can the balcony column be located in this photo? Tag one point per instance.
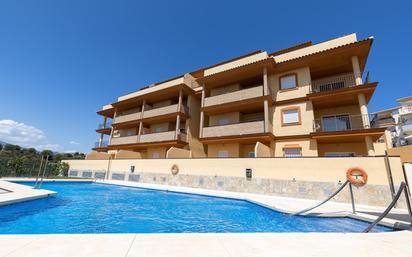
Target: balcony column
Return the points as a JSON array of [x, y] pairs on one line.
[[142, 110], [265, 82], [369, 146], [356, 70], [177, 127], [266, 114], [364, 110], [202, 115], [179, 109], [111, 132]]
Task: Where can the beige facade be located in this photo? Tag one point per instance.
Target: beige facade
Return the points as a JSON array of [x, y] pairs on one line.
[[309, 100]]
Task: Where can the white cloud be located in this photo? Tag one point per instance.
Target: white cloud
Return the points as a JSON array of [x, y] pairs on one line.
[[14, 132], [70, 151], [19, 133], [52, 147], [74, 143]]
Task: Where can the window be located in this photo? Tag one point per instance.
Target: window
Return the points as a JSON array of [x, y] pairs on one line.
[[158, 129], [251, 154], [288, 82], [339, 154], [292, 152], [336, 123], [223, 154], [291, 116], [155, 155], [223, 121]]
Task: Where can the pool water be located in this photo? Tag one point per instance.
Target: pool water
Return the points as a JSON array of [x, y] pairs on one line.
[[81, 207]]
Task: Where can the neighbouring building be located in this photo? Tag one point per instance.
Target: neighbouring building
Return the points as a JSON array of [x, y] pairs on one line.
[[306, 100], [398, 122]]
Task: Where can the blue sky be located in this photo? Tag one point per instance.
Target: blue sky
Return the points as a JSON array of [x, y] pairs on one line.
[[60, 61]]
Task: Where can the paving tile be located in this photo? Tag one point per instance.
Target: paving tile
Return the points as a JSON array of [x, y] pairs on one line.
[[177, 245], [87, 245], [10, 243]]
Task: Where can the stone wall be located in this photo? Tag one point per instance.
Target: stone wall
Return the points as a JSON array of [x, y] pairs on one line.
[[368, 194]]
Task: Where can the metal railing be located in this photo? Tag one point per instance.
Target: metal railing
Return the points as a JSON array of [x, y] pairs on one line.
[[104, 126], [337, 82], [343, 122], [405, 109], [402, 189], [101, 144], [330, 197]]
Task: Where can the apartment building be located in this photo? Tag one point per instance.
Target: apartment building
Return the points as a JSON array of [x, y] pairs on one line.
[[306, 100], [397, 121]]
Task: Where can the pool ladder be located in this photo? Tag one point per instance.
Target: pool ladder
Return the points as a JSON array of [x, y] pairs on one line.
[[403, 188], [37, 184]]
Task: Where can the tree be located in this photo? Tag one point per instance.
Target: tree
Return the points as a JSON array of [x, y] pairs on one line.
[[17, 165]]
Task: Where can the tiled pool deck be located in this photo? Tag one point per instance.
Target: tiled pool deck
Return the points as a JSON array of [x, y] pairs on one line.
[[222, 244]]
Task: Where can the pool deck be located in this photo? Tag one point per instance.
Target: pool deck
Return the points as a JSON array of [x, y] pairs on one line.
[[14, 193], [208, 245], [219, 244]]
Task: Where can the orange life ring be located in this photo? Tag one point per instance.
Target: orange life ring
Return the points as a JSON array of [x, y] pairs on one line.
[[174, 169], [357, 176]]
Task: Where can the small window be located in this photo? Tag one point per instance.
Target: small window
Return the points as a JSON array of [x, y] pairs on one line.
[[155, 155], [292, 152], [158, 129], [251, 154], [290, 116], [223, 154], [288, 82], [223, 122]]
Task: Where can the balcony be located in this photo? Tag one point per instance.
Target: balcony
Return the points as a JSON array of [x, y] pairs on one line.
[[108, 125], [238, 129], [163, 111], [158, 137], [127, 118], [405, 110], [407, 128], [149, 138], [383, 123], [101, 144], [343, 122], [333, 83], [240, 95], [124, 140]]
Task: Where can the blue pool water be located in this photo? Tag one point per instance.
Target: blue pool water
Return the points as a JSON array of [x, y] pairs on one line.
[[81, 207]]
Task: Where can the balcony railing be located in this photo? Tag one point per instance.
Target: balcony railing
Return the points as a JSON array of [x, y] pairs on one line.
[[127, 117], [405, 110], [108, 125], [407, 128], [157, 137], [237, 129], [163, 111], [343, 123], [337, 82], [234, 96], [101, 144], [149, 138], [384, 122], [124, 140]]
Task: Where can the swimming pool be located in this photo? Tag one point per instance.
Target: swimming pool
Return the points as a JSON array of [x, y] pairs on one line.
[[82, 207]]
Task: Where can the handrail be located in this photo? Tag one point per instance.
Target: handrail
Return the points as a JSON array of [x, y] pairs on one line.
[[402, 189], [330, 197], [44, 172], [38, 174]]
